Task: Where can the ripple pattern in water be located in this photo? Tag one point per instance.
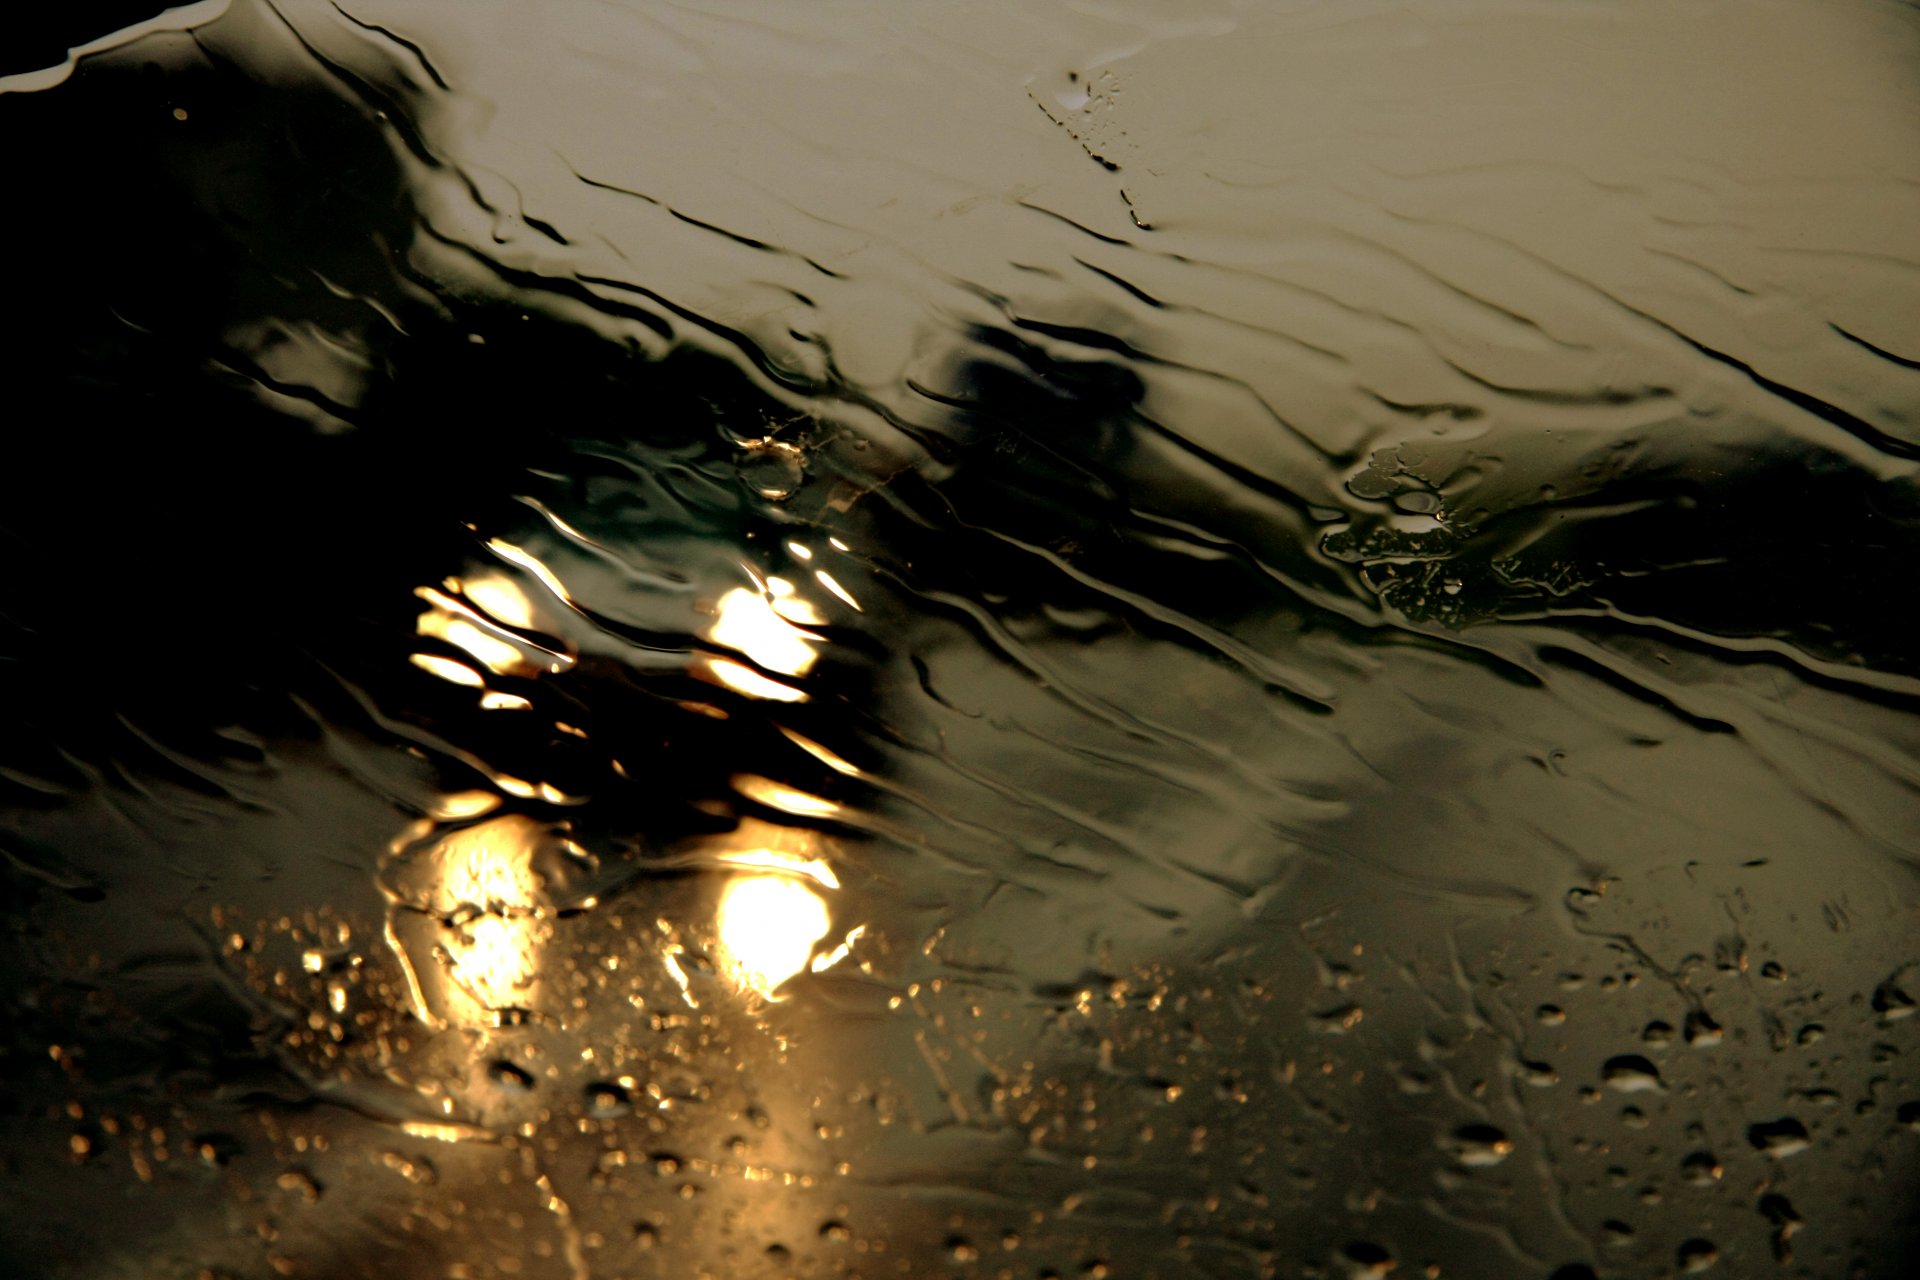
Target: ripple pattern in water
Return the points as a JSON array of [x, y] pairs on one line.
[[1101, 639]]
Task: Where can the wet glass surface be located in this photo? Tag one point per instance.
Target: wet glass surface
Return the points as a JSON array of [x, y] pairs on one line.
[[1104, 639]]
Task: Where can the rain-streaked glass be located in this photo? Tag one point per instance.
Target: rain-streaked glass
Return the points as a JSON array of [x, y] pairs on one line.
[[1088, 639]]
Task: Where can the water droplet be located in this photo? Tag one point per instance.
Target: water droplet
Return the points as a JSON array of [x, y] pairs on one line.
[[606, 1099], [509, 1076], [1778, 1209], [1697, 1255], [1367, 1261], [1337, 1022], [1700, 1030], [1891, 1002], [1702, 1168], [1630, 1073], [1417, 502], [301, 1183], [1478, 1146], [1786, 1220], [1540, 1075], [772, 468], [1779, 1138], [216, 1149], [415, 1169]]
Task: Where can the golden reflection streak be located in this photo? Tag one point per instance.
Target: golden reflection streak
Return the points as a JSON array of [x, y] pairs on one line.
[[416, 995], [832, 584], [447, 669], [465, 804], [814, 869], [482, 632], [744, 679], [827, 959], [829, 758], [767, 626], [670, 960], [515, 556], [444, 1132], [778, 795], [491, 652]]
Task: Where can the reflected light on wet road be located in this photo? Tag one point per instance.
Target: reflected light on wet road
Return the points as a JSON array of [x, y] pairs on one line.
[[768, 926], [479, 916]]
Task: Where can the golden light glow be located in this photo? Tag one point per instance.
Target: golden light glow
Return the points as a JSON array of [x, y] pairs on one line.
[[471, 942], [827, 959], [796, 609], [744, 679], [773, 915], [828, 581], [444, 1132], [488, 866], [670, 960], [447, 669], [830, 759], [493, 960], [465, 804], [491, 652], [501, 598], [778, 795], [768, 925], [767, 626], [525, 790], [492, 953], [747, 621], [481, 629]]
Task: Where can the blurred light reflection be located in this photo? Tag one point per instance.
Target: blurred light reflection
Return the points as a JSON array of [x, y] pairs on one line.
[[768, 925], [474, 924], [773, 913], [766, 626]]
